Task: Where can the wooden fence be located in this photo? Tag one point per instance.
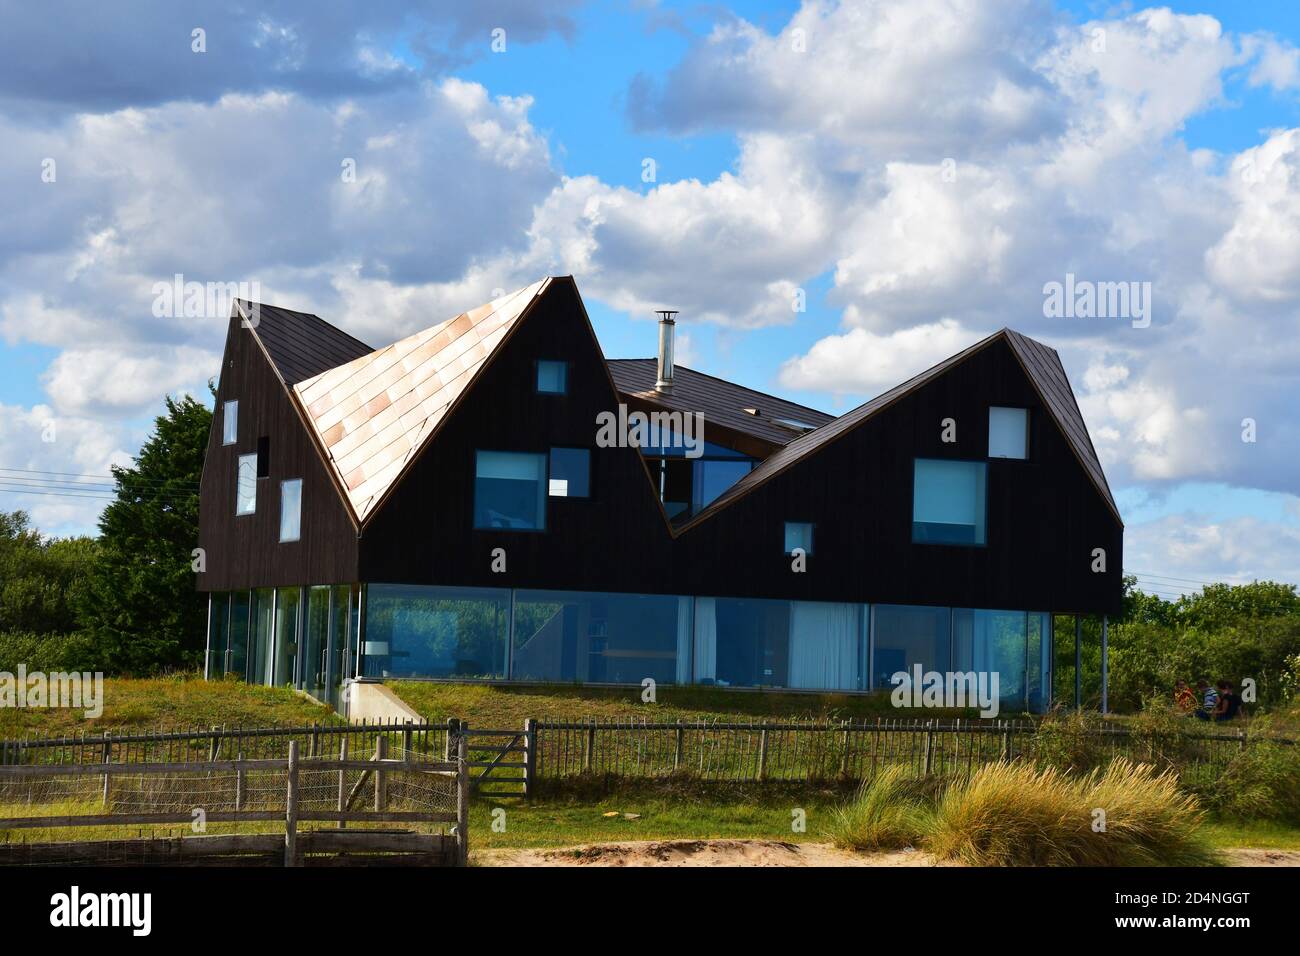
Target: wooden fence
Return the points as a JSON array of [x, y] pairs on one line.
[[290, 790], [512, 762]]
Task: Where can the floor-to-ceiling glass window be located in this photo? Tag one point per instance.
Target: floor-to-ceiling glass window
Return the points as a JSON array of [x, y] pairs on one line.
[[903, 636], [1039, 658], [992, 642], [287, 605], [340, 615], [237, 658], [218, 633], [261, 640], [601, 638], [315, 642], [752, 642], [416, 631]]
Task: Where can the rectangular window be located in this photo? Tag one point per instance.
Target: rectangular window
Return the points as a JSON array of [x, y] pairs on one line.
[[798, 534], [246, 486], [948, 502], [570, 473], [510, 491], [905, 636], [601, 638], [230, 423], [264, 457], [552, 377], [291, 510], [419, 631], [1008, 432]]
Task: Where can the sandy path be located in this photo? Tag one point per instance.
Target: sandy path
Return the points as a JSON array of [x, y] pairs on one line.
[[763, 853], [700, 853]]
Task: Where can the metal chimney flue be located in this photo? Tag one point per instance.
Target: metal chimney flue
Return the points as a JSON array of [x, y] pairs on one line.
[[666, 326]]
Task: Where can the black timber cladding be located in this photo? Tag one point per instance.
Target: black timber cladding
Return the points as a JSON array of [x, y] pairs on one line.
[[1045, 515]]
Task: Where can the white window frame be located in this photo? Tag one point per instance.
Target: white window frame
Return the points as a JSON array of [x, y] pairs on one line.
[[283, 484], [251, 461], [226, 418]]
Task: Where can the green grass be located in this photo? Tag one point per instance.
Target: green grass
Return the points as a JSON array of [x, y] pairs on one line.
[[507, 707], [178, 702], [1226, 834], [660, 814], [888, 813]]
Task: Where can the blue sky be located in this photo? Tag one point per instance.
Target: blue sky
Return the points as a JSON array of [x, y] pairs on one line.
[[774, 171]]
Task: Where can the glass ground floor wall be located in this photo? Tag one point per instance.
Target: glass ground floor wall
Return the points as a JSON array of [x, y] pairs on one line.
[[314, 638]]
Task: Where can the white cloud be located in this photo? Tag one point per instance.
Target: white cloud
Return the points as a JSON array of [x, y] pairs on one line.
[[863, 362]]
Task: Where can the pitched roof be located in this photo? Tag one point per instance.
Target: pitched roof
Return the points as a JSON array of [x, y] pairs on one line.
[[1045, 372], [372, 415], [300, 344], [722, 402]]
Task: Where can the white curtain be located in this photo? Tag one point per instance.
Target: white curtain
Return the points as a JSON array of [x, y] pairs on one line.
[[706, 639], [683, 640], [824, 645]]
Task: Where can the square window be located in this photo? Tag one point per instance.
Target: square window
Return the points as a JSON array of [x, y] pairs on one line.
[[798, 534], [1008, 432], [552, 377], [510, 491], [948, 502], [291, 509], [246, 486], [230, 423], [570, 473]]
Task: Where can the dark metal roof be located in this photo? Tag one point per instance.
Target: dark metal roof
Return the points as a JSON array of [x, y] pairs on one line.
[[301, 345], [722, 402], [1041, 364]]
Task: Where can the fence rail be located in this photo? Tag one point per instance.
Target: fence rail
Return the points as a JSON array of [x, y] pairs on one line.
[[405, 788], [513, 761]]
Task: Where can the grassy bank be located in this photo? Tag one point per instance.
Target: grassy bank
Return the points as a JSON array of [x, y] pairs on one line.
[[500, 706], [177, 702]]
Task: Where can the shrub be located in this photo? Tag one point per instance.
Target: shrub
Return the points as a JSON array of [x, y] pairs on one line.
[[1262, 782], [46, 652], [889, 812], [1019, 815]]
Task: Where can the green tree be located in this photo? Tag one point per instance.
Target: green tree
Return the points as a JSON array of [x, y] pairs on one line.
[[141, 607]]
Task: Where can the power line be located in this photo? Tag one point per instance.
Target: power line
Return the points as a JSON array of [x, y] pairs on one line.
[[73, 474]]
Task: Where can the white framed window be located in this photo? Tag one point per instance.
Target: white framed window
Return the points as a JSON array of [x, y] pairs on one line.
[[798, 534], [948, 505], [291, 509], [246, 486], [230, 423], [1008, 432]]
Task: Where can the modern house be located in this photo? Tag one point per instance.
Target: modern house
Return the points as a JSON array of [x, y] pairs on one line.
[[491, 499]]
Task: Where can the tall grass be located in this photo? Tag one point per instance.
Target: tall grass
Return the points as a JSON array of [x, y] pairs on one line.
[[1020, 815], [889, 812]]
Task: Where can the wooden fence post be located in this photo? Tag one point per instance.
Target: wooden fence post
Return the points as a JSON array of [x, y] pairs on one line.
[[239, 783], [762, 754], [462, 803], [530, 755], [929, 747], [107, 757], [381, 784], [449, 745], [291, 809], [215, 744], [406, 741], [591, 746], [343, 782], [679, 746]]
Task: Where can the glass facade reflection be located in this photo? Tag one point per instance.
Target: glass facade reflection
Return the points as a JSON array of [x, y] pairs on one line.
[[315, 638]]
